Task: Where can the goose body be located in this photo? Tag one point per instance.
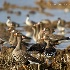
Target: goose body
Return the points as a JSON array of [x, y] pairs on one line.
[[54, 37], [46, 21], [61, 28]]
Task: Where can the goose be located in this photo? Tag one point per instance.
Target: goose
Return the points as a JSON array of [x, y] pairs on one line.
[[9, 23], [20, 55], [54, 37], [49, 50], [37, 29], [28, 30], [44, 32], [47, 24], [13, 38], [28, 22], [60, 27]]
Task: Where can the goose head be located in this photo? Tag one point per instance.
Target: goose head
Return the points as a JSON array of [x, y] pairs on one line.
[[8, 17], [14, 41], [20, 35], [46, 31], [9, 23], [59, 20], [12, 35], [19, 38], [27, 15]]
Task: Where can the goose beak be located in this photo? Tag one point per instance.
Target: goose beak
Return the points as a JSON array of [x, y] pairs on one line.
[[15, 34]]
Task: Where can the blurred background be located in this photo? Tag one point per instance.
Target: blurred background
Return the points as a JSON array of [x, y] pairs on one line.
[[39, 9]]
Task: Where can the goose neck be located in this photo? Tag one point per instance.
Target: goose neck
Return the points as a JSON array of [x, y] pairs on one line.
[[27, 19], [14, 41], [11, 36], [58, 22], [18, 47]]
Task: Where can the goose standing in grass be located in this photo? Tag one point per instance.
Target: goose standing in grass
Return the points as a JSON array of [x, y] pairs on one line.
[[23, 56], [29, 22], [60, 26], [20, 55], [49, 49], [37, 28]]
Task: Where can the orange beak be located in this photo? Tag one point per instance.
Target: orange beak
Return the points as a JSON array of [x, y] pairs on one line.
[[15, 34]]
